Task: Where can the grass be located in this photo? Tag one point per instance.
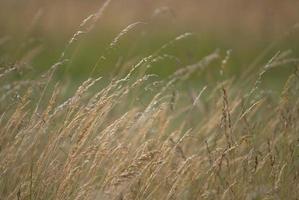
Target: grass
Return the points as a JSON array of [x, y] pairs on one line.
[[201, 131]]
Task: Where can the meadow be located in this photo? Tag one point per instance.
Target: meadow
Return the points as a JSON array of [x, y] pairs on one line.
[[148, 111]]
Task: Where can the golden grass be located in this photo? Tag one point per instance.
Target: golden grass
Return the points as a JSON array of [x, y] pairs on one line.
[[141, 137]]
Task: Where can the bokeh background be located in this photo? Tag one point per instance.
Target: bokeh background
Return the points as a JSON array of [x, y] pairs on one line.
[[35, 32]]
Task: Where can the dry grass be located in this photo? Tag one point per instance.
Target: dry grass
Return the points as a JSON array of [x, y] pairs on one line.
[[141, 137]]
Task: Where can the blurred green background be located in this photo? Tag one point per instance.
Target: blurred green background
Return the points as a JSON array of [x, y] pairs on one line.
[[34, 33]]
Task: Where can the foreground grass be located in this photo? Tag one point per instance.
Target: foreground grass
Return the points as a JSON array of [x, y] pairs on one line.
[[138, 136]]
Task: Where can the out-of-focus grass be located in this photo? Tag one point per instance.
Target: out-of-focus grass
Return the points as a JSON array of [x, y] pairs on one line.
[[247, 28], [140, 43]]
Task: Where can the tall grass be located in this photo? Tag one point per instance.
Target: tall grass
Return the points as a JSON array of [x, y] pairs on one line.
[[142, 137]]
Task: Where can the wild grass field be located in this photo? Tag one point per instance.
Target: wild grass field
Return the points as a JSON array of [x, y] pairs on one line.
[[146, 113]]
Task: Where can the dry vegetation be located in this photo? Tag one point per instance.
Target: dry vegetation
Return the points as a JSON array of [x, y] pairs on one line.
[[141, 137]]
